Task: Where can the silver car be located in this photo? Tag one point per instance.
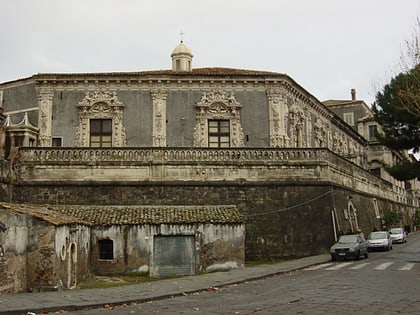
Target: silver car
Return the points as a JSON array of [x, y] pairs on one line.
[[379, 240], [351, 246], [398, 235]]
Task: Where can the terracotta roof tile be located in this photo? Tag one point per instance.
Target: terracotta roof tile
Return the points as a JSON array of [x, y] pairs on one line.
[[212, 71], [118, 215]]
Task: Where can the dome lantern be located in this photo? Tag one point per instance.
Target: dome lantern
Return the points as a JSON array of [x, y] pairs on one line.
[[181, 58]]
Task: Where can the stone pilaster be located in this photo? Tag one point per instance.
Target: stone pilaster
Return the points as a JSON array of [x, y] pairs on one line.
[[159, 117], [45, 97], [277, 118]]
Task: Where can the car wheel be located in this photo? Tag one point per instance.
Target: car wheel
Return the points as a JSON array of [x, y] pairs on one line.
[[333, 258]]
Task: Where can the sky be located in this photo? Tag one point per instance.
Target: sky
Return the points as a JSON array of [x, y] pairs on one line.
[[327, 46]]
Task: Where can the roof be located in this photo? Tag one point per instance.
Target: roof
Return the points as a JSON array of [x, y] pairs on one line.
[[124, 215], [196, 72], [211, 71], [181, 49], [330, 103]]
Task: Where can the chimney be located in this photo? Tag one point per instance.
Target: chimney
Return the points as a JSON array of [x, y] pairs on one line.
[[353, 94]]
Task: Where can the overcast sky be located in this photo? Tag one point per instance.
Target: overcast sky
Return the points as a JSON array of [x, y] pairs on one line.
[[327, 46]]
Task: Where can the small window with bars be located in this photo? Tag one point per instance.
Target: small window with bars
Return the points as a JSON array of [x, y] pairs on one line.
[[106, 249], [219, 133], [101, 132]]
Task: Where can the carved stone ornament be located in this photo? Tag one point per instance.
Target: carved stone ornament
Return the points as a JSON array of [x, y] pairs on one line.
[[218, 104], [159, 117], [278, 112], [45, 96], [100, 104]]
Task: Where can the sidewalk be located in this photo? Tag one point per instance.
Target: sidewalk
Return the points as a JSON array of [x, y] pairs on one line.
[[22, 303]]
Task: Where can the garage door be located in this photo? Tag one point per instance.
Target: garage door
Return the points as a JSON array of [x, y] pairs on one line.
[[173, 255]]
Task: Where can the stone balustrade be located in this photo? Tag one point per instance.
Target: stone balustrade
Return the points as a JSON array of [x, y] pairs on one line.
[[83, 155], [196, 164]]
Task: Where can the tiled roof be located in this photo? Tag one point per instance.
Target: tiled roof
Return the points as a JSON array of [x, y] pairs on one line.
[[118, 215], [213, 71]]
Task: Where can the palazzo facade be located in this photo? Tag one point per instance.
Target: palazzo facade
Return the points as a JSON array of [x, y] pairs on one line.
[[285, 173]]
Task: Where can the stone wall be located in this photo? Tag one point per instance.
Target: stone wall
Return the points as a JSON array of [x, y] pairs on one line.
[[283, 219]]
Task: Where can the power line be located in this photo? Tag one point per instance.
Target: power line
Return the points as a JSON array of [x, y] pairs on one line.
[[292, 207]]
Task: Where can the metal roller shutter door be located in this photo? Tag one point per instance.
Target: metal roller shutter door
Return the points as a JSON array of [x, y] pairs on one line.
[[173, 255]]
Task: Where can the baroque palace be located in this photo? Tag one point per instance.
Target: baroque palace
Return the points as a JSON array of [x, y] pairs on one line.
[[180, 171]]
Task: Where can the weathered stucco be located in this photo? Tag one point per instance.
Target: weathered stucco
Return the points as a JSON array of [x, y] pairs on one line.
[[39, 251]]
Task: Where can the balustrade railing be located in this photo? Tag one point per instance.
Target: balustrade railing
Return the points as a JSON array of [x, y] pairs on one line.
[[328, 165], [82, 155]]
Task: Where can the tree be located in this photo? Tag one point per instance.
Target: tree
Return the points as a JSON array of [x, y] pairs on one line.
[[397, 109]]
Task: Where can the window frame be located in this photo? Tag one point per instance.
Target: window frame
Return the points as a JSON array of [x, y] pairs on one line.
[[349, 118], [101, 134], [219, 134], [106, 249], [372, 135]]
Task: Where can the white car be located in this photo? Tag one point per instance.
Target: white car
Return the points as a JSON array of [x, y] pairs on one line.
[[398, 235], [379, 240]]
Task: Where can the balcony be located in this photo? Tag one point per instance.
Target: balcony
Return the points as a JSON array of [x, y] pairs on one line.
[[198, 165]]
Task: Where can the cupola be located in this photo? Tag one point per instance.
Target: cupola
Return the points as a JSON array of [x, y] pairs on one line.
[[181, 58]]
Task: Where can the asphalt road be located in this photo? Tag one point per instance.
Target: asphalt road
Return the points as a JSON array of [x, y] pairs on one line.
[[384, 283]]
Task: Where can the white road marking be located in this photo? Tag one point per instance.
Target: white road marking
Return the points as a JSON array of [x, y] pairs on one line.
[[339, 266], [318, 266], [383, 266], [407, 267], [359, 266]]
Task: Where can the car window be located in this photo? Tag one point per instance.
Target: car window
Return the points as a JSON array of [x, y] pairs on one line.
[[395, 231], [346, 239], [377, 235]]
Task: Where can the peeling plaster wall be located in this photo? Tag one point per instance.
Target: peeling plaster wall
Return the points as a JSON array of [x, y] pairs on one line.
[[36, 255], [14, 241], [72, 247], [133, 245], [222, 246]]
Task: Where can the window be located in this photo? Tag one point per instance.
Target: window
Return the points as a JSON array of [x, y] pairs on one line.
[[57, 142], [372, 133], [219, 134], [106, 249], [349, 118], [101, 132], [376, 171]]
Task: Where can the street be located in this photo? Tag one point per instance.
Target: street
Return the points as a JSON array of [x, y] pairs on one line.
[[384, 283]]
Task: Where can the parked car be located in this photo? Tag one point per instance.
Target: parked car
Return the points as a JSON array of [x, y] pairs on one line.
[[379, 240], [351, 246], [398, 235]]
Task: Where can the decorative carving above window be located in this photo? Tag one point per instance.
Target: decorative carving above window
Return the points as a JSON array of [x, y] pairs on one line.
[[218, 105], [101, 104]]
